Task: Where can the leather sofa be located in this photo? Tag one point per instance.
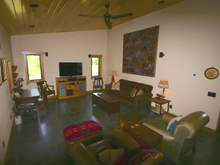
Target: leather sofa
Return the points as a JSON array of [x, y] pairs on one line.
[[87, 154], [177, 144], [123, 94]]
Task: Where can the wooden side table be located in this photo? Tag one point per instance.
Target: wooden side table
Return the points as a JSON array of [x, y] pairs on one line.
[[158, 109]]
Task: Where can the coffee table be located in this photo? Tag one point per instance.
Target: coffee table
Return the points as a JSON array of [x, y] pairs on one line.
[[144, 135], [106, 102], [129, 117]]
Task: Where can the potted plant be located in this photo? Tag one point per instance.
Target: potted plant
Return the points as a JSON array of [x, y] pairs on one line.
[[17, 89]]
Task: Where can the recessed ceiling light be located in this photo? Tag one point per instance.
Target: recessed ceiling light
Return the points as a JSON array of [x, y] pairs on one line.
[[161, 2], [34, 5], [31, 26]]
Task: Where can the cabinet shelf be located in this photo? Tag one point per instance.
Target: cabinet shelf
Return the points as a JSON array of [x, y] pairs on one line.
[[13, 68], [15, 75]]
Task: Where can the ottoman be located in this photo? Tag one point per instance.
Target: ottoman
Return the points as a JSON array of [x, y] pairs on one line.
[[86, 132], [129, 117]]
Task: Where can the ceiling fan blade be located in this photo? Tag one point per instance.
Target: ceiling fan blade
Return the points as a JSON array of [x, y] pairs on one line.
[[108, 23], [121, 15], [90, 16]]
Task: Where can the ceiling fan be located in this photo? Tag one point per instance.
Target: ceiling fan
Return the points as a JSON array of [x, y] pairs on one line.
[[107, 16]]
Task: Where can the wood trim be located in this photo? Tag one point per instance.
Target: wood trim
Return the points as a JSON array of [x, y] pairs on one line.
[[100, 64], [212, 131], [9, 141], [26, 66]]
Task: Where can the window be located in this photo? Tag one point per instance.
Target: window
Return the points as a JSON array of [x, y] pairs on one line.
[[34, 67], [96, 66]]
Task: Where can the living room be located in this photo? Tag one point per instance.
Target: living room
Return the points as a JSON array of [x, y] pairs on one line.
[[188, 36]]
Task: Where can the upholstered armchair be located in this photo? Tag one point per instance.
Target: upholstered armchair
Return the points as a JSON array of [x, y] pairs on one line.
[[177, 144], [90, 154]]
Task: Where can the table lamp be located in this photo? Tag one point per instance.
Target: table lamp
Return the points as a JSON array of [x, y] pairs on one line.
[[163, 84], [113, 73]]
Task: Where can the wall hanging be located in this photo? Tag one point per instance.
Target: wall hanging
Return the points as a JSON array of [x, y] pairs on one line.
[[140, 52]]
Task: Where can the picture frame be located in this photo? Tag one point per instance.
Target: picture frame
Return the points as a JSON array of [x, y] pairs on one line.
[[1, 72], [4, 69]]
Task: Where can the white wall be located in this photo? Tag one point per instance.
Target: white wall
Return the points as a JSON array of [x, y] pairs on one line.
[[5, 101], [189, 37], [61, 47]]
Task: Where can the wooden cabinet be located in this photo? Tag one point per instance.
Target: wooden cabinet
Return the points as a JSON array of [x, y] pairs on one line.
[[70, 86]]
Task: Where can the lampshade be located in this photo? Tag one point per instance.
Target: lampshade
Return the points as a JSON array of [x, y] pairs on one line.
[[163, 84], [113, 72]]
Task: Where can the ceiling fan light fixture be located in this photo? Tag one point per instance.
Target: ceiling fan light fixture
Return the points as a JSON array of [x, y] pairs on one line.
[[34, 5]]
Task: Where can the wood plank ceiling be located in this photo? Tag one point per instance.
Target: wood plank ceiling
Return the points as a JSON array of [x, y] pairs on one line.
[[54, 16]]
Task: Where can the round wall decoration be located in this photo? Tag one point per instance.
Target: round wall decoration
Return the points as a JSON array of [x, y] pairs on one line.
[[211, 73]]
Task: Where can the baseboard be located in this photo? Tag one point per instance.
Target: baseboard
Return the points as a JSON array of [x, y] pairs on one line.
[[9, 141], [209, 130]]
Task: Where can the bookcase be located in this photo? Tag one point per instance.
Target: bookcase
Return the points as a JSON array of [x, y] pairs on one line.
[[70, 86]]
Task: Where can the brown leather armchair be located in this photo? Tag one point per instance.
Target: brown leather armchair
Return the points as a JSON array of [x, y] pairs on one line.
[[86, 154], [177, 144]]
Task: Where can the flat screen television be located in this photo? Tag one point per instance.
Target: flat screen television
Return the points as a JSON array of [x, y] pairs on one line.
[[70, 68]]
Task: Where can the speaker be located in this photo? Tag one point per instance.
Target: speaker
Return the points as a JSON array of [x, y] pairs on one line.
[[46, 53], [161, 54], [89, 55]]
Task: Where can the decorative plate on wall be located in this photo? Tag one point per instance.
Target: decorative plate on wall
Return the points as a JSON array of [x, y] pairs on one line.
[[211, 73]]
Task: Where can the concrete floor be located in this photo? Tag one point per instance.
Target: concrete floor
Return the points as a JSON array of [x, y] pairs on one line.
[[39, 140]]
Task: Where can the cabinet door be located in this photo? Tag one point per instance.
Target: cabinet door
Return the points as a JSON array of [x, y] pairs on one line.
[[82, 87], [62, 89]]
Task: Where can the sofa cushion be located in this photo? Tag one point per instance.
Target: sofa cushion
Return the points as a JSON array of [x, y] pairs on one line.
[[115, 86], [136, 155], [172, 123], [133, 92], [139, 92], [122, 95], [109, 156]]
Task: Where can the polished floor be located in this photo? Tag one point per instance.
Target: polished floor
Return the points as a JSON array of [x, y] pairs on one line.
[[39, 140]]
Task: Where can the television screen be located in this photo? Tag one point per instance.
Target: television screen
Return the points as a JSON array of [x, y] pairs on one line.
[[70, 68]]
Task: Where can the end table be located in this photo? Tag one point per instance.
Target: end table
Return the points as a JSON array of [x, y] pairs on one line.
[[158, 109]]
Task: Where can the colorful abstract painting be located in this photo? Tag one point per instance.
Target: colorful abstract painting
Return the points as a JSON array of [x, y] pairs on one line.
[[140, 52]]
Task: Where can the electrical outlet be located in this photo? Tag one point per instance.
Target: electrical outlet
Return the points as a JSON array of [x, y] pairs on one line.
[[171, 106], [3, 143], [212, 94]]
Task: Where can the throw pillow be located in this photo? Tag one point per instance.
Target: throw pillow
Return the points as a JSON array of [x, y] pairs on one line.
[[136, 155], [133, 92], [140, 92], [109, 156], [172, 123], [115, 86]]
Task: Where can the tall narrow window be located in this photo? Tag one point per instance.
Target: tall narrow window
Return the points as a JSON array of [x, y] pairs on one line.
[[34, 67], [96, 66]]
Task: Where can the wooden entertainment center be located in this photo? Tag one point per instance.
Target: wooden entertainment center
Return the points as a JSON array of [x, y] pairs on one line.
[[70, 86]]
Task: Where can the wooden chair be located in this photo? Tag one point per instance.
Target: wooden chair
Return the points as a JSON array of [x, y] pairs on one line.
[[98, 83], [49, 89], [43, 100]]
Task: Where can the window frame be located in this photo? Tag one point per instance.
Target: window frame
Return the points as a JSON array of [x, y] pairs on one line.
[[100, 65], [41, 66]]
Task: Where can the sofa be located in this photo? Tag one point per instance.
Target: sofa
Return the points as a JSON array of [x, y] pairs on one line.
[[115, 151], [123, 94], [179, 140]]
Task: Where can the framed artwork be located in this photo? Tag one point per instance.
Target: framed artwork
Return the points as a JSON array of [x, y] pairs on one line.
[[0, 72], [140, 52], [4, 69]]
